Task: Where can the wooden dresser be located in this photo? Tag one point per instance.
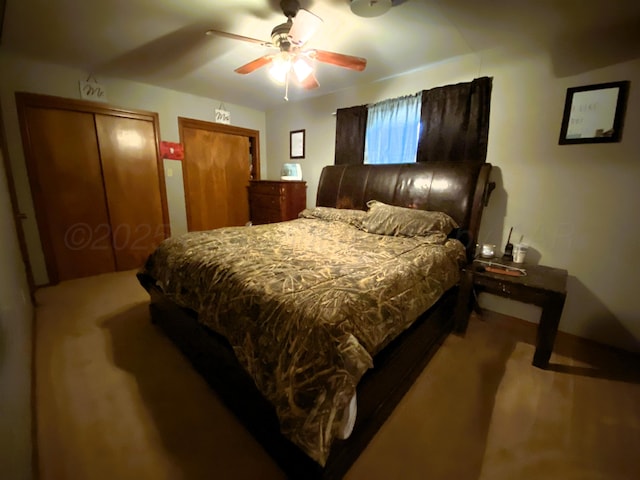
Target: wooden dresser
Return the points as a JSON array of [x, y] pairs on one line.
[[276, 200]]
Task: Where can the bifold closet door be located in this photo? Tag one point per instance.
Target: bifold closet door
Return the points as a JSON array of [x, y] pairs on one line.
[[131, 183], [97, 184], [66, 181]]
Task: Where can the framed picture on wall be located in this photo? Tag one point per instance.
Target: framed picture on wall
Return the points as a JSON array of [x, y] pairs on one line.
[[296, 144], [594, 113]]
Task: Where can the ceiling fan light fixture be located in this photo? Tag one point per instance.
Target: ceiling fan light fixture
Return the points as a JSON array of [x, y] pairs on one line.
[[279, 69], [302, 68], [370, 8]]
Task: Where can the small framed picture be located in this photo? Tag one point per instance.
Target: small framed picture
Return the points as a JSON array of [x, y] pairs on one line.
[[594, 113], [296, 144]]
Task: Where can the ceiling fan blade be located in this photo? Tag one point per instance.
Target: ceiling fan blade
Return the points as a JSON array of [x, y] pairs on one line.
[[339, 59], [254, 64], [310, 82], [305, 24], [239, 37]]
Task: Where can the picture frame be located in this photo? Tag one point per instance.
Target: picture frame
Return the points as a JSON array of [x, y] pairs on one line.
[[594, 113], [296, 144]]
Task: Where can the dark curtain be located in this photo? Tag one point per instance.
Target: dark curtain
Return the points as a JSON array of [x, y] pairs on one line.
[[455, 122], [351, 124]]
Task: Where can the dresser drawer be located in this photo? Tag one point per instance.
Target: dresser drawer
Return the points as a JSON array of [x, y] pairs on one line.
[[267, 188], [259, 200], [259, 217]]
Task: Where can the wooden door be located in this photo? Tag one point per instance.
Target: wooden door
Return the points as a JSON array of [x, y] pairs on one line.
[[66, 182], [128, 150], [218, 163]]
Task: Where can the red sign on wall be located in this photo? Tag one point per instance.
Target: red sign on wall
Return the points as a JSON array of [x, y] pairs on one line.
[[171, 150]]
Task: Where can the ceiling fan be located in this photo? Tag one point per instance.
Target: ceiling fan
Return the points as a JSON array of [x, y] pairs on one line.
[[292, 59]]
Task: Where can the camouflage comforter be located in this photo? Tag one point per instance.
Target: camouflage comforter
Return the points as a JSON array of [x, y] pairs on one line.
[[306, 304]]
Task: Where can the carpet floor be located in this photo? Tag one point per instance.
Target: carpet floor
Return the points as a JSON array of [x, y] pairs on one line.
[[114, 399]]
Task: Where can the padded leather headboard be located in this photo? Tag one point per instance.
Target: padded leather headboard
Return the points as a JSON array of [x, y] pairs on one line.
[[457, 188]]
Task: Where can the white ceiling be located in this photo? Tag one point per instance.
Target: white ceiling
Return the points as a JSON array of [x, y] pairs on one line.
[[163, 42]]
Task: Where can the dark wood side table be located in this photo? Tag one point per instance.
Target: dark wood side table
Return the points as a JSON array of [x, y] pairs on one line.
[[543, 286]]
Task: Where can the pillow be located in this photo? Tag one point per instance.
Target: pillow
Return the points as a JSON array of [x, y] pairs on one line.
[[346, 215], [386, 219]]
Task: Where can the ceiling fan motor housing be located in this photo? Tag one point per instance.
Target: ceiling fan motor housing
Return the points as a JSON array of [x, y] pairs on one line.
[[280, 36]]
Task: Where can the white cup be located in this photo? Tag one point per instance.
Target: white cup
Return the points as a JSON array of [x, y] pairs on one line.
[[519, 252]]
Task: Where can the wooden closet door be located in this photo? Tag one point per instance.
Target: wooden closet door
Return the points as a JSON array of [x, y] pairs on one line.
[[66, 183], [216, 175], [131, 172], [96, 181]]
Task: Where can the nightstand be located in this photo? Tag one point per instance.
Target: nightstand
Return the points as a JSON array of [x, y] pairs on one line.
[[543, 286]]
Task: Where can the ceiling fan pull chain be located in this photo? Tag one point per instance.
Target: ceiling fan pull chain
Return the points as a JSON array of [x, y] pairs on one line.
[[286, 87]]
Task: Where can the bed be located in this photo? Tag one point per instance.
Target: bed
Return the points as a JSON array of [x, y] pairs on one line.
[[312, 330]]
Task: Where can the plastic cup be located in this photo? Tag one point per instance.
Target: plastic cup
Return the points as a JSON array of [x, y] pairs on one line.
[[519, 252]]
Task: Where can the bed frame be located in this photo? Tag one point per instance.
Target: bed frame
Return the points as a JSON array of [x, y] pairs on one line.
[[459, 189]]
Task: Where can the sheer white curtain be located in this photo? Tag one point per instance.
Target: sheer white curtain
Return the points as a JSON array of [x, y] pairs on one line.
[[393, 128]]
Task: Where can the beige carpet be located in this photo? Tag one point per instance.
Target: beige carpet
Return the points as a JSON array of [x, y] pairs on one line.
[[116, 400]]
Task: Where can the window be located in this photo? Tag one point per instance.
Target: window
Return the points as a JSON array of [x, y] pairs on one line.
[[393, 128]]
